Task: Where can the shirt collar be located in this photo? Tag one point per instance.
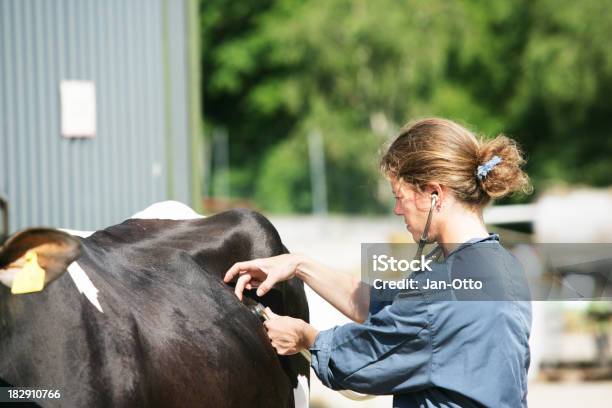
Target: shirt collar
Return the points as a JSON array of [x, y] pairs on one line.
[[493, 237]]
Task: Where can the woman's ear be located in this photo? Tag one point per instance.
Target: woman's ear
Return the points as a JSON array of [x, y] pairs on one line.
[[435, 189]]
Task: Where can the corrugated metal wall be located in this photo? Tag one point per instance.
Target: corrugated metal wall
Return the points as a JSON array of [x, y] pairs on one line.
[[135, 52]]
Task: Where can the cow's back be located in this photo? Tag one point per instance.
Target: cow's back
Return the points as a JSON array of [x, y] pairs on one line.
[[172, 333]]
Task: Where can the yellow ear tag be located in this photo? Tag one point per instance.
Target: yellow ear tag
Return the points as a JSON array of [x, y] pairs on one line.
[[31, 278]]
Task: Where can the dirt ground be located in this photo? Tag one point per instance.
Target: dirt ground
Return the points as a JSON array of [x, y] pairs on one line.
[[561, 395], [556, 395]]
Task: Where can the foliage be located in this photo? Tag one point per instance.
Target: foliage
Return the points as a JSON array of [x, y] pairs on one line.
[[356, 70]]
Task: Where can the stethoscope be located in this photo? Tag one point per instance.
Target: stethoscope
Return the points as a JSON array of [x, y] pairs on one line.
[[425, 235]]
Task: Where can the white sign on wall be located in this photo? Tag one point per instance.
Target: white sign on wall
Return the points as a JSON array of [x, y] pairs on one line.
[[78, 102]]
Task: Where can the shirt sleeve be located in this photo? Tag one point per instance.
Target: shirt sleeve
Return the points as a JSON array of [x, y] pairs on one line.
[[390, 353], [379, 298]]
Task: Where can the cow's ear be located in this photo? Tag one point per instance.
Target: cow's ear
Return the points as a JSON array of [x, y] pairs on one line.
[[34, 257]]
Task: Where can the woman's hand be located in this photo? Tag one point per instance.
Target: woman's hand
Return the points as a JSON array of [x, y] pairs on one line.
[[345, 292], [289, 335], [262, 273]]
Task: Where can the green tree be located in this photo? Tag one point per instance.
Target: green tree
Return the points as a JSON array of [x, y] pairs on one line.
[[357, 70]]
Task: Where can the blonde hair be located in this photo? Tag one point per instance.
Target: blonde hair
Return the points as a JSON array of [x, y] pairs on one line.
[[440, 150]]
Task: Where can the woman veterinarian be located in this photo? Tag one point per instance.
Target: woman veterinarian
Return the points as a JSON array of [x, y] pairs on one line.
[[426, 350]]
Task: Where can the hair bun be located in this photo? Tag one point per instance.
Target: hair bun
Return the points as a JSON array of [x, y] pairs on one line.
[[505, 176]]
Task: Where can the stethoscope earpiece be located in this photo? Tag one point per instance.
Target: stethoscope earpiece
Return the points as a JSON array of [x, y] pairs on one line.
[[425, 234], [434, 199]]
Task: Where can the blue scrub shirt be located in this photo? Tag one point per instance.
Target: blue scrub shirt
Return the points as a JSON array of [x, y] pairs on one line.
[[444, 348]]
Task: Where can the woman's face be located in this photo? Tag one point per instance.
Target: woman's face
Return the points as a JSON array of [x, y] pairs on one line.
[[412, 205]]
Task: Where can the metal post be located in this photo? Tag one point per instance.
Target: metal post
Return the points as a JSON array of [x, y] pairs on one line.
[[198, 143], [318, 176], [221, 163], [5, 215]]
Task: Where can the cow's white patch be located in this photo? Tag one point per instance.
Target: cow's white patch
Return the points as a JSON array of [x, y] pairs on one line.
[[84, 284], [168, 210], [163, 210], [7, 276], [301, 392], [78, 233]]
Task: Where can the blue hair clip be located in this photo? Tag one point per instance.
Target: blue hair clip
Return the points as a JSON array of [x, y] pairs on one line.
[[483, 170]]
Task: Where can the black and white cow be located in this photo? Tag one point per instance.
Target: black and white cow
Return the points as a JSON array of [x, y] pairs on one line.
[[142, 318]]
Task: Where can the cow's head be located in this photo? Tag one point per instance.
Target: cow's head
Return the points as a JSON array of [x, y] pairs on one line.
[[32, 251]]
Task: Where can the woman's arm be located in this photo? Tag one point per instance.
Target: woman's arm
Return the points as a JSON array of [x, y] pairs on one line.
[[346, 293], [390, 354]]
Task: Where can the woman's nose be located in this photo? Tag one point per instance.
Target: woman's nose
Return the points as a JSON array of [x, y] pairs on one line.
[[398, 208]]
